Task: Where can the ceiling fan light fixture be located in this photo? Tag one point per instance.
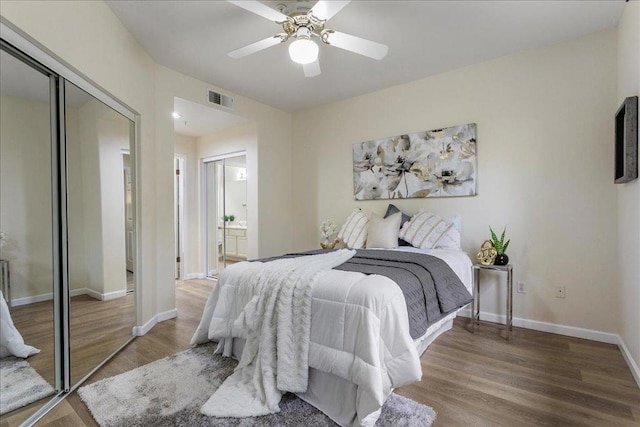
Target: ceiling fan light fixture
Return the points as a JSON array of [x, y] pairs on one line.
[[303, 50]]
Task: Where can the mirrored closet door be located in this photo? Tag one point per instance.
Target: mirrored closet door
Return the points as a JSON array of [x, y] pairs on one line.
[[27, 338], [225, 211], [67, 217], [101, 288]]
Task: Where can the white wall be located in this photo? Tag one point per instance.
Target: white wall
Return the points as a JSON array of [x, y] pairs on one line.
[[629, 193], [545, 160]]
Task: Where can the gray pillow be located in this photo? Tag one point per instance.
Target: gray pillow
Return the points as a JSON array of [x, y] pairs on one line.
[[391, 209]]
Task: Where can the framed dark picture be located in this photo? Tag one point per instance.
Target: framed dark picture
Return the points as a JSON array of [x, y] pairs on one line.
[[626, 148]]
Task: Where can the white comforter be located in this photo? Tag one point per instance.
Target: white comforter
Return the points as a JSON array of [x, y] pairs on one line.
[[272, 310], [11, 342], [359, 332]]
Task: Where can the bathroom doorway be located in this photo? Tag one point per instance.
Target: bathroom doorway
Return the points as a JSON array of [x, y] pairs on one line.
[[225, 211]]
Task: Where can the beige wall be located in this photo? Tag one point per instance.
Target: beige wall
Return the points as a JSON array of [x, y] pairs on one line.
[[103, 137], [95, 137], [629, 194], [233, 140], [273, 141], [273, 182], [544, 152], [92, 40], [89, 37], [25, 195], [544, 169]]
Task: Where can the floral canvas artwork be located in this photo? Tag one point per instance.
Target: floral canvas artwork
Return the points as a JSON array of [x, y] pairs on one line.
[[435, 163]]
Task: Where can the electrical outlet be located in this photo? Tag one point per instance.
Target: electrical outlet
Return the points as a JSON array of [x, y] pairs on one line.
[[520, 289], [560, 292]]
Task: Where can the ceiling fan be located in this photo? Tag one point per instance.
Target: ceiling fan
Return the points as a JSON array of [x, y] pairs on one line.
[[304, 26]]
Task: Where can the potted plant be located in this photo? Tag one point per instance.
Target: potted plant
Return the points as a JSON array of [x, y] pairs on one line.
[[501, 247]]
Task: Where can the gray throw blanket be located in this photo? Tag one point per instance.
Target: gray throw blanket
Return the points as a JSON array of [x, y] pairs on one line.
[[431, 289]]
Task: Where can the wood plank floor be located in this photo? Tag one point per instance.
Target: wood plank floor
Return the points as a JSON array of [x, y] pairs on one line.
[[470, 379]]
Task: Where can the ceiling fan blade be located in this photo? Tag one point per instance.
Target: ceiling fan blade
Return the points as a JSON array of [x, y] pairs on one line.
[[325, 10], [312, 69], [357, 45], [255, 47], [260, 9]]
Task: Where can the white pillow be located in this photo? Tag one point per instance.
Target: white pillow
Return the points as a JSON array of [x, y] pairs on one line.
[[426, 230], [354, 231], [456, 220], [383, 232]]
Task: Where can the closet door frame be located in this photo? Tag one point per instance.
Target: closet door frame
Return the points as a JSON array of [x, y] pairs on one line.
[[26, 50]]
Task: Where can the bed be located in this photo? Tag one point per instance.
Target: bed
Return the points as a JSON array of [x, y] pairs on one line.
[[344, 332]]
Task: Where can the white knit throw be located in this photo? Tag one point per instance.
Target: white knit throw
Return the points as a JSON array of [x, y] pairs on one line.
[[276, 323]]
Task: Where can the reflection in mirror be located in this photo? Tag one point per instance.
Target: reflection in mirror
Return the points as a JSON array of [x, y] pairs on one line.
[[27, 348], [235, 209], [226, 212], [99, 197]]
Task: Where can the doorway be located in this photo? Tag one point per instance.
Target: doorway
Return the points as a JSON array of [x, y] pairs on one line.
[[225, 211]]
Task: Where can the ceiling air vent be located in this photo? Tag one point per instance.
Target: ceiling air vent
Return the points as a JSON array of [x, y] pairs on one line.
[[220, 99]]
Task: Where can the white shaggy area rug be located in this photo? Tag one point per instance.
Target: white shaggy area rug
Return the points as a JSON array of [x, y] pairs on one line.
[[20, 384], [170, 392]]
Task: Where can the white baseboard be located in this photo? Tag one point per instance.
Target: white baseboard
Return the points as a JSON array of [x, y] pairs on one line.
[[15, 302], [629, 359], [160, 317], [113, 295], [73, 293], [570, 331], [191, 276]]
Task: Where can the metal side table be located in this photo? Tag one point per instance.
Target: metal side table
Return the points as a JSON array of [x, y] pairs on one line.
[[5, 280], [476, 293]]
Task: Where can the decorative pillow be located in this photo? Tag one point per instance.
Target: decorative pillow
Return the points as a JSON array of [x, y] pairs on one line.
[[354, 231], [428, 231], [392, 209], [383, 232], [456, 220]]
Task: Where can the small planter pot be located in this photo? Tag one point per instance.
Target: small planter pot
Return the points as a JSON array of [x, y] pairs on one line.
[[501, 259]]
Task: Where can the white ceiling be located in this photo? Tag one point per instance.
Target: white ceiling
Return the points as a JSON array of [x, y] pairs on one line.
[[424, 38]]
